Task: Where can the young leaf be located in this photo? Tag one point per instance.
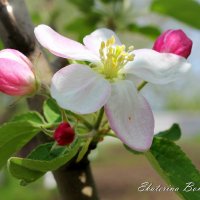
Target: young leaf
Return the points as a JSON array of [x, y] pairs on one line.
[[41, 160], [45, 152], [24, 174], [27, 175], [51, 111], [175, 167], [174, 133], [13, 136], [31, 116]]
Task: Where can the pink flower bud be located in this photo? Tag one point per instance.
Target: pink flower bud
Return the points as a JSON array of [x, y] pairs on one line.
[[64, 134], [174, 41], [16, 73]]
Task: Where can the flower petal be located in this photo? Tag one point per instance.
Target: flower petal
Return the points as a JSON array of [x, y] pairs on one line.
[[16, 78], [93, 41], [79, 89], [12, 54], [130, 116], [62, 46], [155, 67]]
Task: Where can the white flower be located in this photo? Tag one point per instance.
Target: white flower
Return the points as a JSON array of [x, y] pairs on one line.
[[85, 89]]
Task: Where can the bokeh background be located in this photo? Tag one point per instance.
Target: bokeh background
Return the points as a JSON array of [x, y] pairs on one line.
[[137, 22]]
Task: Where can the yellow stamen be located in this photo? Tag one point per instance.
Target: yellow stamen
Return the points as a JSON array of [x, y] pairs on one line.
[[114, 57]]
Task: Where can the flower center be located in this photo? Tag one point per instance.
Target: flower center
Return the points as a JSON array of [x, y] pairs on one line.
[[114, 57]]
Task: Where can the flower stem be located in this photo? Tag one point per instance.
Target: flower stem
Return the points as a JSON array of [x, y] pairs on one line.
[[83, 120], [47, 132], [64, 116], [50, 125], [99, 119], [87, 135], [141, 85]]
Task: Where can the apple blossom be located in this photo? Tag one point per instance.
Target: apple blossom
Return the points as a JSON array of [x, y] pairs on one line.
[[64, 134], [16, 73], [174, 41], [107, 81]]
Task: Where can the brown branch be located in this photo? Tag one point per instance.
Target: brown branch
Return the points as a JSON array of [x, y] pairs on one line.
[[59, 63], [75, 181], [16, 34], [80, 184]]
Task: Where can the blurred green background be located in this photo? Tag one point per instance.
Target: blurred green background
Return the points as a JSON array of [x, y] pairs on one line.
[[137, 22]]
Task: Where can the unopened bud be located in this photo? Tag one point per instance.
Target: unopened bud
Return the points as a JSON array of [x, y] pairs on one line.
[[174, 41], [64, 134], [16, 74]]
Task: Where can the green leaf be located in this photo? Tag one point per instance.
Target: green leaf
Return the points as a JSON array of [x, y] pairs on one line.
[[33, 117], [187, 11], [40, 153], [13, 136], [51, 111], [84, 6], [174, 133], [45, 152], [41, 160], [24, 174], [149, 31], [174, 166]]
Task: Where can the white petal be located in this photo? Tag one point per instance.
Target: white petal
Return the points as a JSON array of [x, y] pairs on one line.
[[93, 41], [62, 46], [130, 116], [158, 68], [79, 89]]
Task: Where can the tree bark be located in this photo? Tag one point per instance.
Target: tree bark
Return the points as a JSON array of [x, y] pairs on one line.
[[80, 184], [74, 180]]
